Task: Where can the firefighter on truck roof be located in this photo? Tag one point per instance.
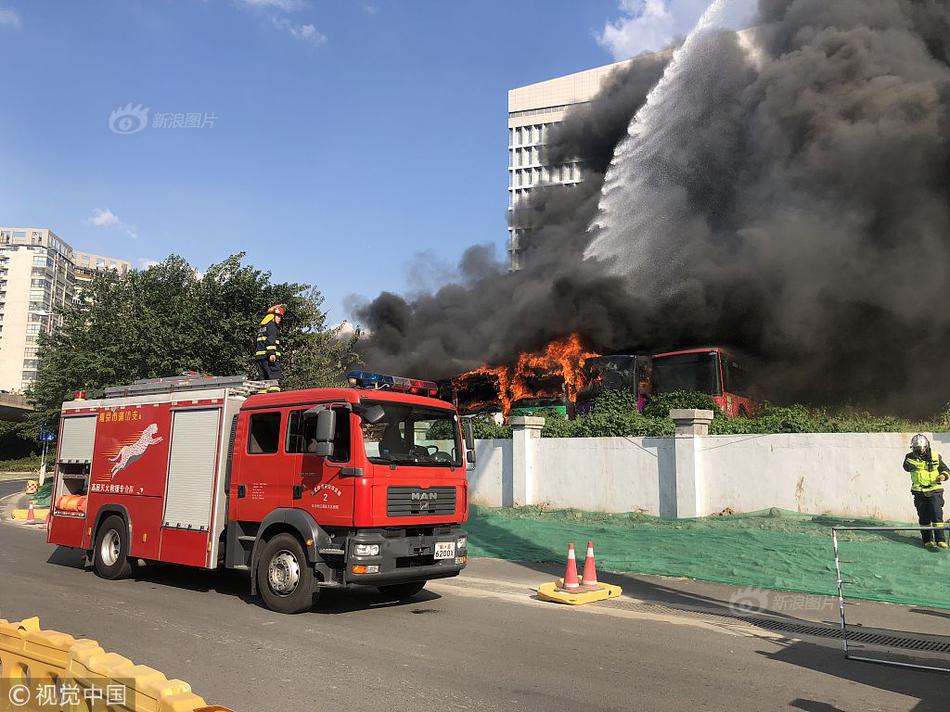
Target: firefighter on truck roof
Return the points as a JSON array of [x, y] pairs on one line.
[[928, 472], [267, 352]]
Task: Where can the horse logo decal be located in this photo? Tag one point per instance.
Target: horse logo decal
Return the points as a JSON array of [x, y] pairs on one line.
[[130, 453]]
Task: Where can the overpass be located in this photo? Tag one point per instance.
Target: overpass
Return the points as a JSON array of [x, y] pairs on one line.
[[14, 406]]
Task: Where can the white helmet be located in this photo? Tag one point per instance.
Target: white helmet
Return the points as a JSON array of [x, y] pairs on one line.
[[919, 443]]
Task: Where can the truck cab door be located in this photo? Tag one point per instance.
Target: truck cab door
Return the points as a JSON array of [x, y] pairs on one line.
[[261, 480], [319, 487]]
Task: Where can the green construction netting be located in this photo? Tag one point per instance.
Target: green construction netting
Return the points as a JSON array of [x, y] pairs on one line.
[[770, 549], [42, 497]]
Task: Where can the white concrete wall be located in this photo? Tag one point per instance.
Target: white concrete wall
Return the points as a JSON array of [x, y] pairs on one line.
[[851, 475], [490, 483], [605, 474]]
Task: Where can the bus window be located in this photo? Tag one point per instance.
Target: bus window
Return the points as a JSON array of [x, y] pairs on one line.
[[736, 377], [698, 371]]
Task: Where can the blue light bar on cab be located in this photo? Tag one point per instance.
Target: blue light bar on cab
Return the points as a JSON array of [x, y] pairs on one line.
[[380, 381]]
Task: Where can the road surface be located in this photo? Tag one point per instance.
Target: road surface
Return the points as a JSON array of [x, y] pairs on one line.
[[479, 642]]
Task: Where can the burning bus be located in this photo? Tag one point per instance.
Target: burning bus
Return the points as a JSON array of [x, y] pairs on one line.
[[538, 381], [616, 372], [478, 392], [715, 371]]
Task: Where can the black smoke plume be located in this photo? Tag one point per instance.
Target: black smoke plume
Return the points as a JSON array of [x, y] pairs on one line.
[[799, 209]]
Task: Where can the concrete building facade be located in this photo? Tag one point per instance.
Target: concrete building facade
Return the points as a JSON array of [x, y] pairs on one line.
[[86, 265], [37, 278]]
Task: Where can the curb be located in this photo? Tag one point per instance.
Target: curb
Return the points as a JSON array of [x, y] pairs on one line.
[[21, 514]]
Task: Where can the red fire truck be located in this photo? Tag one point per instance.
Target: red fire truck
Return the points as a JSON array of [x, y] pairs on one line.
[[306, 489]]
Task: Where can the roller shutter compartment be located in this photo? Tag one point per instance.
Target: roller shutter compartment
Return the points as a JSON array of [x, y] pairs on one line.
[[191, 469]]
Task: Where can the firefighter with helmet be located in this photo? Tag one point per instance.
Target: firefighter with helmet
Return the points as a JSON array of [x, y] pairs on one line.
[[267, 353], [928, 472]]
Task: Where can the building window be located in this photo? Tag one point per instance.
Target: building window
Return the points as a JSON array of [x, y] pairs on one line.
[[32, 329], [19, 233]]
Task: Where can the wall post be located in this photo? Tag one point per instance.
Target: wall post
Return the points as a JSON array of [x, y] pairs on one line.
[[525, 433], [690, 427]]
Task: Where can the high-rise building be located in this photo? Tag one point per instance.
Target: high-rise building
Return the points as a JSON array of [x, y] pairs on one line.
[[37, 278], [532, 111], [87, 264]]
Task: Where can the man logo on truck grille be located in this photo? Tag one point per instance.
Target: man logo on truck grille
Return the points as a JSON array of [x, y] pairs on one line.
[[130, 453], [423, 498]]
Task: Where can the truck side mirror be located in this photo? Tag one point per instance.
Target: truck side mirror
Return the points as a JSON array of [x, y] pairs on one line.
[[468, 433], [325, 431]]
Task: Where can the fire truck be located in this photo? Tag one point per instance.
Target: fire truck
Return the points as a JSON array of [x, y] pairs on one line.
[[306, 489]]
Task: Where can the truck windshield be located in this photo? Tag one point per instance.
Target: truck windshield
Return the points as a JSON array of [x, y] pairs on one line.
[[687, 372], [413, 435]]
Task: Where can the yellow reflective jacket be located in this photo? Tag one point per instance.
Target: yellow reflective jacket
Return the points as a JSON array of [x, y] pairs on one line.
[[925, 472]]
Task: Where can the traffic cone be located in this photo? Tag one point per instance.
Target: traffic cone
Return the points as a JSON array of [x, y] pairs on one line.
[[30, 516], [590, 570], [570, 573]]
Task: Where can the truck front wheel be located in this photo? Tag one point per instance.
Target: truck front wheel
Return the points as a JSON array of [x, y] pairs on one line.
[[402, 590], [111, 552], [284, 577]]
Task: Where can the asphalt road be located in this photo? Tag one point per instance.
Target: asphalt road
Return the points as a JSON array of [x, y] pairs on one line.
[[478, 642], [8, 487]]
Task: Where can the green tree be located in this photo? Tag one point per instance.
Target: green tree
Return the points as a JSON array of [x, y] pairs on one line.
[[169, 319]]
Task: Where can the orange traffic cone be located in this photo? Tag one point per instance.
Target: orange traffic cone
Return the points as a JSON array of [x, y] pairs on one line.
[[570, 573], [590, 570], [30, 516]]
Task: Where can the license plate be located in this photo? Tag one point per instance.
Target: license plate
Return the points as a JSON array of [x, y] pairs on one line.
[[444, 550]]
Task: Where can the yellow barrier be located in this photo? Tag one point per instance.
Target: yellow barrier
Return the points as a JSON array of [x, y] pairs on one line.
[[56, 671]]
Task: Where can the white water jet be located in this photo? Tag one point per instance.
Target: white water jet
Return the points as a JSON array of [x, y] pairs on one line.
[[639, 191]]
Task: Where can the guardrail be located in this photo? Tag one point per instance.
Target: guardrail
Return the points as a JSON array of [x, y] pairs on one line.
[[46, 669]]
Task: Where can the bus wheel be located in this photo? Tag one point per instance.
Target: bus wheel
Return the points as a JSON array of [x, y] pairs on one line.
[[284, 577], [402, 590], [111, 552]]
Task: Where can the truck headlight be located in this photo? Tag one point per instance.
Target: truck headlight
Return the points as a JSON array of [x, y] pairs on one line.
[[366, 549], [462, 542]]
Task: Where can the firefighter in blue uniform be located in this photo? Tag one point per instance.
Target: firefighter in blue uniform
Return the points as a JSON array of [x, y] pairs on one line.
[[267, 353], [928, 472]]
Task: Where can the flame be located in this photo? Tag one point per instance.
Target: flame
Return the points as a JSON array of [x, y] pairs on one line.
[[555, 371]]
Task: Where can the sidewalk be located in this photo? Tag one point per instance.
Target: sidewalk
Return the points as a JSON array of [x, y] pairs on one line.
[[909, 633]]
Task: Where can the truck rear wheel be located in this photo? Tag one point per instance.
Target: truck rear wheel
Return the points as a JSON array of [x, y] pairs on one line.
[[284, 577], [402, 590], [111, 552]]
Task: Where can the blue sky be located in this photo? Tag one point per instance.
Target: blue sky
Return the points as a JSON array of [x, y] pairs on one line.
[[340, 138]]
